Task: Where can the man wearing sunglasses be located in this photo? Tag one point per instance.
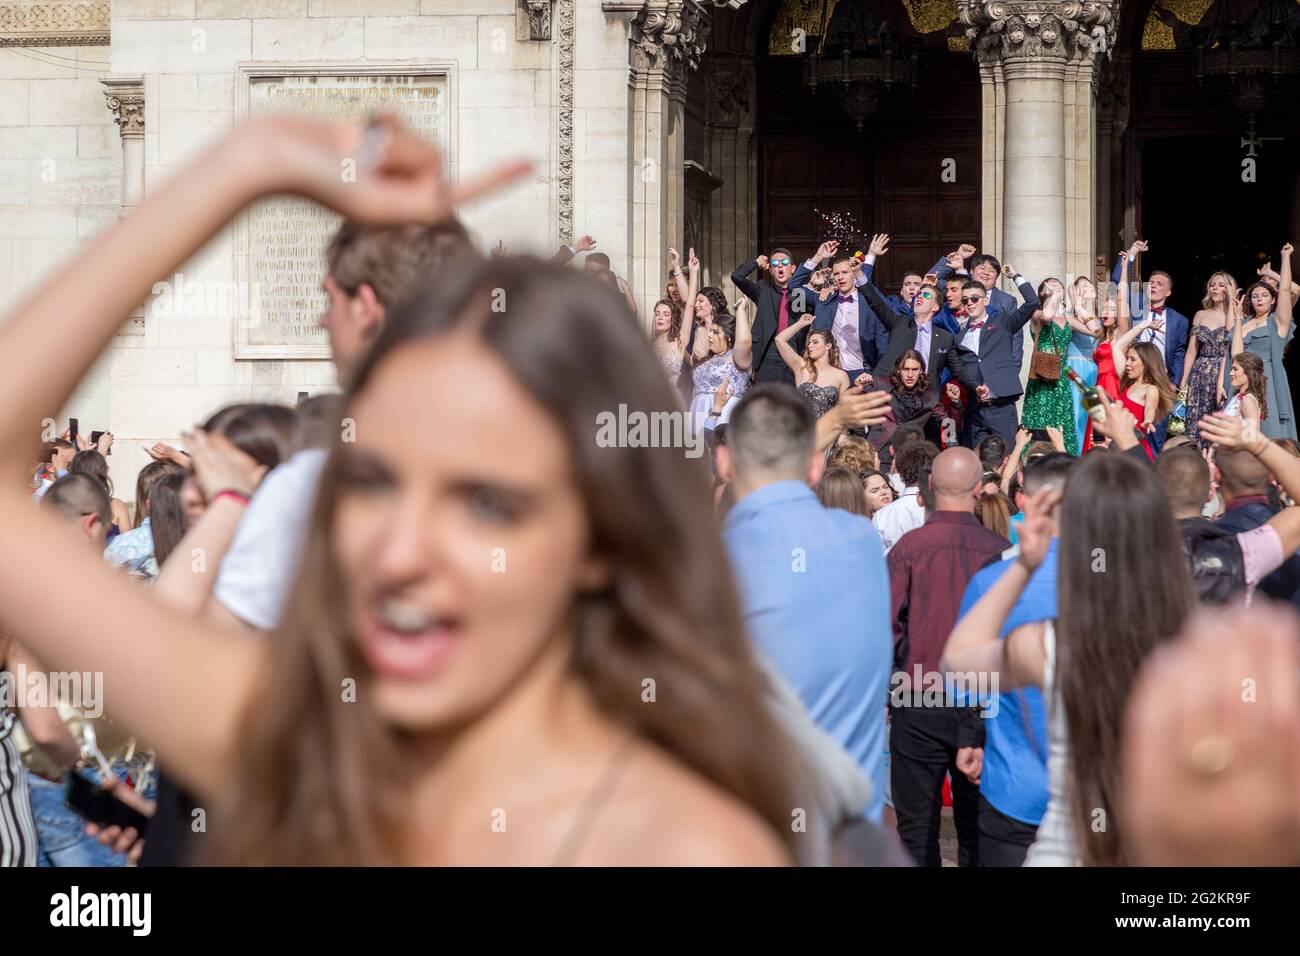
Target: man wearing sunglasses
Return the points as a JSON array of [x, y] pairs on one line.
[[989, 343], [939, 349], [780, 303], [985, 270]]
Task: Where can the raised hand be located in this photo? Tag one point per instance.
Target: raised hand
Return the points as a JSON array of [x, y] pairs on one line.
[[879, 244], [500, 248], [1288, 249], [863, 409], [1057, 439], [826, 249], [693, 262], [762, 262], [1009, 271], [105, 443], [966, 250], [1036, 530], [400, 177], [956, 261], [1138, 246], [585, 244], [220, 466], [675, 259], [1229, 431]]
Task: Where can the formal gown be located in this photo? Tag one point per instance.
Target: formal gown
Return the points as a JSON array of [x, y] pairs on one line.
[[1279, 420], [708, 375], [1203, 381], [1107, 381], [821, 398], [1049, 404], [1080, 361], [1139, 412]]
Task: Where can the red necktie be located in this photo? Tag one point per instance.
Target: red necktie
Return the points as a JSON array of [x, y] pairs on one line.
[[783, 313]]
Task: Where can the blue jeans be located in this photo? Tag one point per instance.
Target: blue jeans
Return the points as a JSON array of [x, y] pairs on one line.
[[61, 831]]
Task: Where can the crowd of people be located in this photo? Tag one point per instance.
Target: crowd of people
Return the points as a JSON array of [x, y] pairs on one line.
[[905, 572]]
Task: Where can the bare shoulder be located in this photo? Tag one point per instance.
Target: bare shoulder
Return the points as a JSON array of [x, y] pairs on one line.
[[662, 813]]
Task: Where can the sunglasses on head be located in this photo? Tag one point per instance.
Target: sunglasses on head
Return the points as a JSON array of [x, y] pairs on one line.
[[968, 299], [779, 262]]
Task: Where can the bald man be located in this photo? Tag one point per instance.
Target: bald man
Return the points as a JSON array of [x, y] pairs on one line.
[[932, 731]]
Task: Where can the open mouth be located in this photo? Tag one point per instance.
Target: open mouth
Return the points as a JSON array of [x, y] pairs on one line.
[[405, 641]]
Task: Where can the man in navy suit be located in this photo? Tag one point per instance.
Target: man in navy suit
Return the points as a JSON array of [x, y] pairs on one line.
[[985, 270], [1171, 340], [989, 337], [858, 332]]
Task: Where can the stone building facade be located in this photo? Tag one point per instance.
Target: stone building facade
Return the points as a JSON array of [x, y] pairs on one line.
[[642, 115]]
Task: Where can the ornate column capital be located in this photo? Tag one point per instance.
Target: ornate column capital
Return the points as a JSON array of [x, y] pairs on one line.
[[1029, 30], [125, 99], [669, 36], [537, 16]]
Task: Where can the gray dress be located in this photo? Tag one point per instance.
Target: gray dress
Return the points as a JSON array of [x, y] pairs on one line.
[[1279, 422]]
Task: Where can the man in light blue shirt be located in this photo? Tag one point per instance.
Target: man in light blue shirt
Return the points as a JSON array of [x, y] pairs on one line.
[[1013, 778], [813, 584]]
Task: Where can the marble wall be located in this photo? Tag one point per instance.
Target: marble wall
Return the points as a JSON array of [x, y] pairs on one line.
[[508, 92]]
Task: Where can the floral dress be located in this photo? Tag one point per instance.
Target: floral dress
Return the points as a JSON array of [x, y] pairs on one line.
[[1203, 380], [1050, 404]]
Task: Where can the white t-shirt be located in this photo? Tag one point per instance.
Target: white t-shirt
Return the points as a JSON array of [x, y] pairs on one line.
[[899, 517], [259, 569]]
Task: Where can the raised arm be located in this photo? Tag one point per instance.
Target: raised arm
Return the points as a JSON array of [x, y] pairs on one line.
[[679, 275], [170, 680], [688, 313], [182, 583], [1285, 302], [1124, 317], [974, 644], [1235, 433], [743, 351], [792, 358], [1119, 347], [1016, 321], [880, 305], [879, 246], [740, 278]]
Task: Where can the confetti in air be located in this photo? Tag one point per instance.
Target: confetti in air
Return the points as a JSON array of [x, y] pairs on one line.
[[842, 227]]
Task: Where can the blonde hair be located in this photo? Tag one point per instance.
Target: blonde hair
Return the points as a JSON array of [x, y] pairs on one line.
[[1231, 297]]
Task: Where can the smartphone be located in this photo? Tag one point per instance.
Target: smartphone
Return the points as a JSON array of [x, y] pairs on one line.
[[72, 431], [100, 807], [1039, 434], [302, 397], [94, 440]]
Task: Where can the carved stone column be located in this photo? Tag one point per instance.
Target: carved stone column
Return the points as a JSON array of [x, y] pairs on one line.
[[125, 99], [733, 207], [1041, 123], [668, 38]]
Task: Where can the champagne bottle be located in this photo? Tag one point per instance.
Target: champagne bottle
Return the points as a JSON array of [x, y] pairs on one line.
[[1091, 398]]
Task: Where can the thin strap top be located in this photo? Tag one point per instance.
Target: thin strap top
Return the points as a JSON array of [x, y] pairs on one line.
[[595, 801]]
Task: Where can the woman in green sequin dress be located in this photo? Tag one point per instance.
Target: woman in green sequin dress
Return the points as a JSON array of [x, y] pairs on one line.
[[1049, 404]]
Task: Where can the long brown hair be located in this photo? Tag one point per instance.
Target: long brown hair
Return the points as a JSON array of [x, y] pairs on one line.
[[144, 483], [325, 783], [896, 377], [832, 355], [1252, 366], [1112, 614], [994, 512], [1153, 373]]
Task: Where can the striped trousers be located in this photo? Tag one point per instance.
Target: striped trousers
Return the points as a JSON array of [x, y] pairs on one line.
[[17, 829]]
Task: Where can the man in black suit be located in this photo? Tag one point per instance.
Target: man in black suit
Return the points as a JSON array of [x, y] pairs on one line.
[[780, 303], [988, 344], [938, 348]]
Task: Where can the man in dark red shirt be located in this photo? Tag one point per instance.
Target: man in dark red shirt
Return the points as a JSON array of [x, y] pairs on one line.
[[931, 733]]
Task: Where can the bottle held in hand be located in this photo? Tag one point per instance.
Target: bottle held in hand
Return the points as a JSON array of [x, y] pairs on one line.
[[1091, 399]]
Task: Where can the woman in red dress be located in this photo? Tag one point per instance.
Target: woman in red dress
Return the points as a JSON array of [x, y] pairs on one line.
[[1116, 320]]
